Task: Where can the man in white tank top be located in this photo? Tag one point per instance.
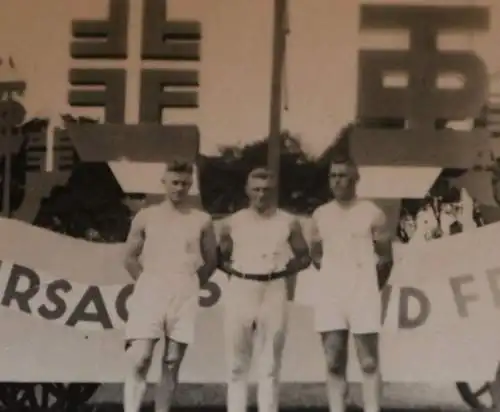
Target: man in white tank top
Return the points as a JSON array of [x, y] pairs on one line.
[[171, 250], [352, 249], [261, 246]]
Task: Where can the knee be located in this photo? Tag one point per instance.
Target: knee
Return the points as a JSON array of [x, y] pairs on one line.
[[369, 365], [239, 370], [139, 358], [337, 366], [172, 364], [142, 361]]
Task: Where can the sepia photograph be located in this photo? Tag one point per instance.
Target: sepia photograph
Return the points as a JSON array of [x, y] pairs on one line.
[[232, 205]]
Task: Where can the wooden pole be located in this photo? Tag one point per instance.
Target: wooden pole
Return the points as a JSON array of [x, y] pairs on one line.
[[278, 61]]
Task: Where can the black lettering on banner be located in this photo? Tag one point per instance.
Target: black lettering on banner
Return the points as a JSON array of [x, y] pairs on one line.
[[122, 300], [21, 297], [214, 294], [493, 280], [102, 39], [421, 103], [386, 297], [165, 39], [53, 289], [405, 321], [156, 93], [462, 300], [81, 314], [111, 97]]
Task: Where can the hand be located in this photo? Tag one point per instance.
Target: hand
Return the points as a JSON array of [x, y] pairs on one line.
[[437, 233], [134, 268], [384, 269], [292, 267], [226, 267]]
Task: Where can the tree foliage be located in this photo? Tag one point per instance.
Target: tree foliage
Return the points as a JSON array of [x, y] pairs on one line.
[[222, 178]]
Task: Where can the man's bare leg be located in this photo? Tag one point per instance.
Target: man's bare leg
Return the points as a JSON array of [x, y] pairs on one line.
[[368, 355], [165, 390], [336, 351], [140, 353]]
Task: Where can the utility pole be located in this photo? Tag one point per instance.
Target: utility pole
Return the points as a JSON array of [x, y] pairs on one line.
[[280, 31], [12, 114]]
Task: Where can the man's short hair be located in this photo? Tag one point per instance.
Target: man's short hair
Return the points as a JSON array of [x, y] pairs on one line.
[[343, 160], [179, 166], [262, 173], [346, 161]]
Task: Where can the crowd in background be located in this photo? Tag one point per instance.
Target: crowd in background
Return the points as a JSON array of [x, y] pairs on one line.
[[436, 218]]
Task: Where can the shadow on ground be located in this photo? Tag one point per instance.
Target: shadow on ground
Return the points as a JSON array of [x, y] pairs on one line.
[[297, 397], [149, 408]]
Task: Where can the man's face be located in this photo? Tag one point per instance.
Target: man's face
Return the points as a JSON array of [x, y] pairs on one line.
[[259, 192], [342, 178], [177, 185]]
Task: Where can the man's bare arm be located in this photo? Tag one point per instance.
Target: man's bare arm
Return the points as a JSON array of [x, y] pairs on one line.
[[134, 245], [316, 245], [300, 249], [382, 239], [208, 247], [225, 248]]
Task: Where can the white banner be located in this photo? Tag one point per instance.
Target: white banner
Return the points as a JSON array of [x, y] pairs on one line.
[[63, 303]]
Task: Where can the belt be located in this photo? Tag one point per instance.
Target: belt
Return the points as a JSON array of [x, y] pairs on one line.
[[260, 278]]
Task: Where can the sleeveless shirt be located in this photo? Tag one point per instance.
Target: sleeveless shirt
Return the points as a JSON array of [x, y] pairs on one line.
[[171, 251], [260, 243], [347, 234]]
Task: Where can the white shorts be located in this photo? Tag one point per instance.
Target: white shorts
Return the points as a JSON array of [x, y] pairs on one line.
[[348, 301], [155, 313]]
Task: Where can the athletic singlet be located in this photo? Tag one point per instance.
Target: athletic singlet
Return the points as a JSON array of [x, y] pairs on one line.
[[260, 243], [347, 234], [171, 251]]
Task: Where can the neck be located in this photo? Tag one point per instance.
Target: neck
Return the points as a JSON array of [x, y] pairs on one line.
[[268, 211], [349, 194], [346, 199], [173, 205]]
